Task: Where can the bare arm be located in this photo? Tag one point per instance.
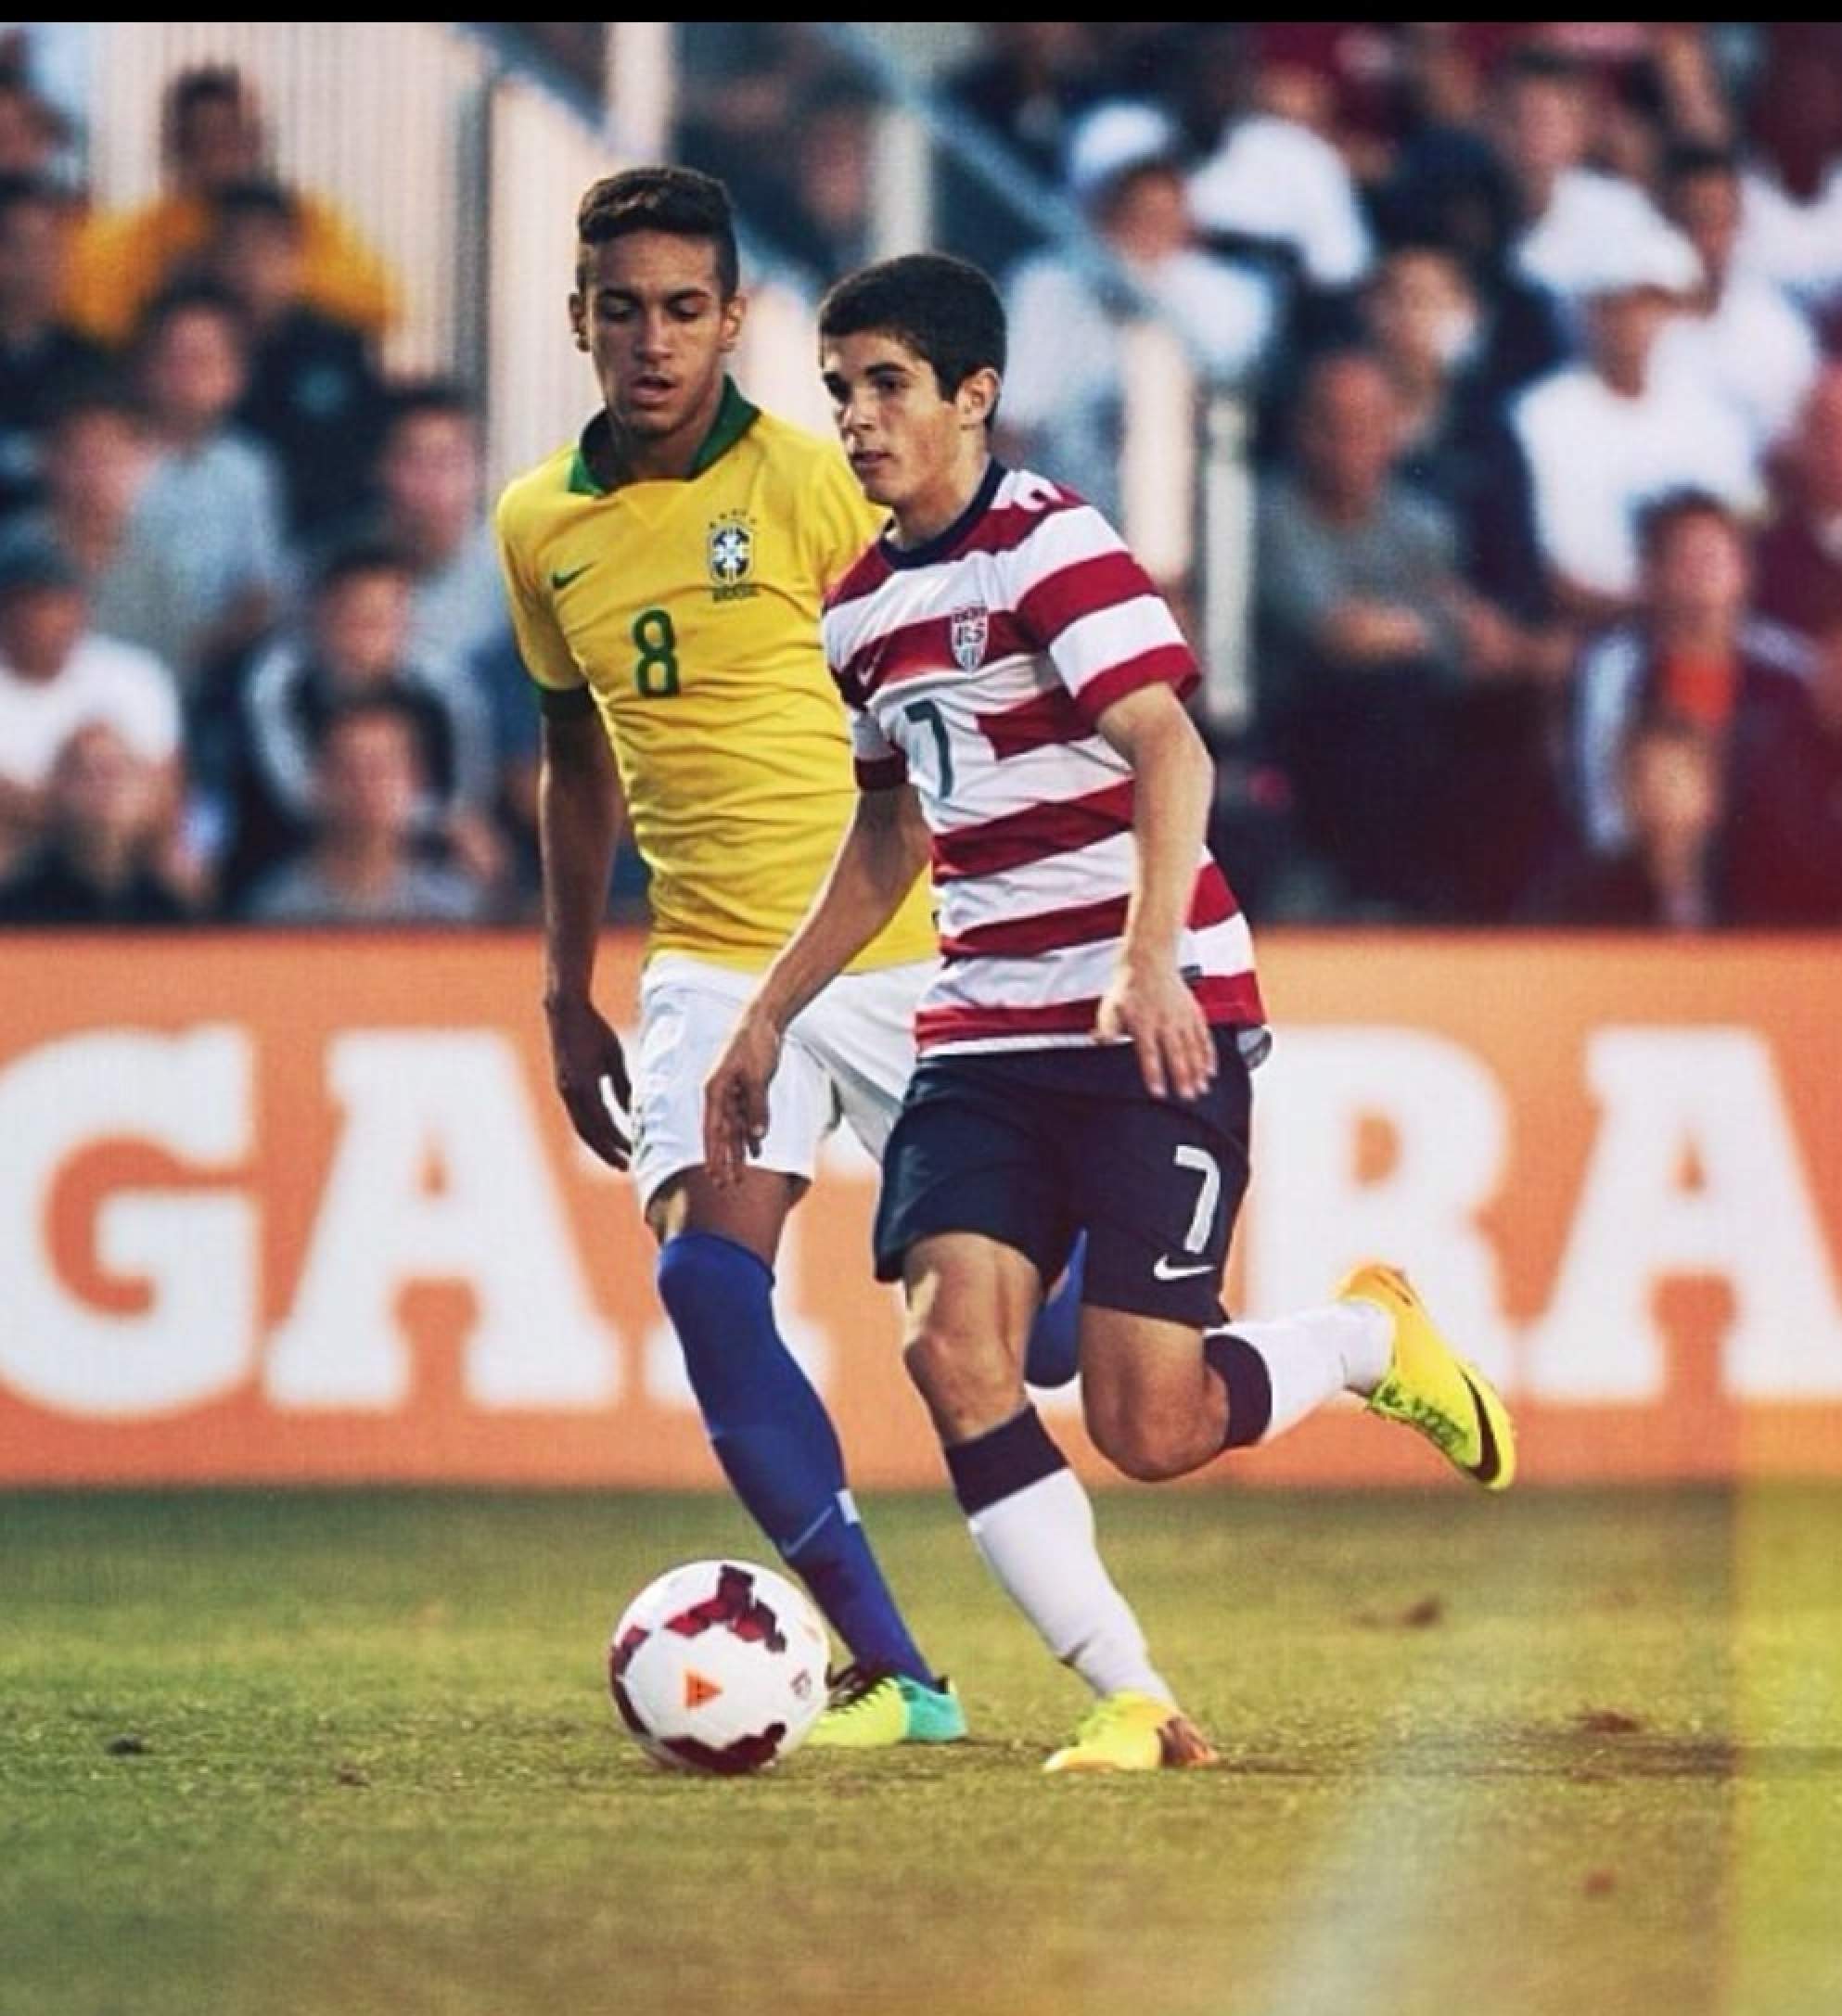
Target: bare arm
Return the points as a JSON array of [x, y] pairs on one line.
[[578, 819], [883, 850], [1147, 998]]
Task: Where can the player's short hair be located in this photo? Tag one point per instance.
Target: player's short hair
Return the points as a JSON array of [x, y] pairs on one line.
[[682, 202], [1658, 518], [945, 310]]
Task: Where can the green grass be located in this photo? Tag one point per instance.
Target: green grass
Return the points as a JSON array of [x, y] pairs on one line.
[[1556, 1754]]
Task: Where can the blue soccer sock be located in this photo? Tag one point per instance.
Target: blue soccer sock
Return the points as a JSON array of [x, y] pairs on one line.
[[776, 1441], [1053, 1354]]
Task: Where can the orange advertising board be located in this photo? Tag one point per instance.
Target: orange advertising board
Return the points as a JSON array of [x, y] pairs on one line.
[[304, 1208]]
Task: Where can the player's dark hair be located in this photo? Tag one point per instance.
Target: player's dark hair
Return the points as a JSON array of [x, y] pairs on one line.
[[1659, 519], [943, 308], [680, 201]]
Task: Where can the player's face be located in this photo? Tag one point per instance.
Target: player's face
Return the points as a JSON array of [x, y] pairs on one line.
[[651, 315], [911, 447]]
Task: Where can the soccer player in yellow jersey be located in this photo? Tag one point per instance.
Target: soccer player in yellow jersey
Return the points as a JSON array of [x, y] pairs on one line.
[[665, 575]]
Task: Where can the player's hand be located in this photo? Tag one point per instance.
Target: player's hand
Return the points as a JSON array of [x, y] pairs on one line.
[[591, 1069], [735, 1097], [1154, 1008]]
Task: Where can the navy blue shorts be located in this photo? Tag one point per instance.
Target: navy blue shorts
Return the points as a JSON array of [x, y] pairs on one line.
[[1030, 1146]]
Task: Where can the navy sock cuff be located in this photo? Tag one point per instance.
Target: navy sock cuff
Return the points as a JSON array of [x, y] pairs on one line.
[[1003, 1461], [711, 1250], [1243, 1371]]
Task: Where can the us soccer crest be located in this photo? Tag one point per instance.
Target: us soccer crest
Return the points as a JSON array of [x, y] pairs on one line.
[[968, 631], [729, 552]]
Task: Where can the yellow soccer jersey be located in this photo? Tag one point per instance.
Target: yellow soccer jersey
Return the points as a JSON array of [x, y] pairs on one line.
[[690, 611]]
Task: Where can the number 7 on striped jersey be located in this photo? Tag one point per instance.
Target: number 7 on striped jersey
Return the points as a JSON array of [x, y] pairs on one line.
[[929, 714]]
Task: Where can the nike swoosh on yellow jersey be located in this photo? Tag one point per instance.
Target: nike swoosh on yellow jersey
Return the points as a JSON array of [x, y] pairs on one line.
[[560, 582]]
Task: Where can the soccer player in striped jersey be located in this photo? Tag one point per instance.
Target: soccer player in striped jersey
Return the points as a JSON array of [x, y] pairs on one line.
[[665, 574], [1016, 684]]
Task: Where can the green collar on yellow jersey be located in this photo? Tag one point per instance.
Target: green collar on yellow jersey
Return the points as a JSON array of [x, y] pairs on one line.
[[734, 416]]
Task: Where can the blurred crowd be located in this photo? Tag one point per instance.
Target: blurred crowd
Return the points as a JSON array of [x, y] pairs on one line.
[[1538, 324], [254, 659], [1539, 330]]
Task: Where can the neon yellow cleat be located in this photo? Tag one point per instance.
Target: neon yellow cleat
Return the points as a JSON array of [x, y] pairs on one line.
[[1431, 1389], [874, 1709], [1133, 1732]]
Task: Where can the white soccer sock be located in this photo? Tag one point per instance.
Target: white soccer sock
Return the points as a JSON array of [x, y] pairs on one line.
[[1040, 1543], [1341, 1347]]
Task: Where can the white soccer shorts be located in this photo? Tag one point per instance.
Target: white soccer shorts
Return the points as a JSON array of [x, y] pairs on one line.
[[848, 1057]]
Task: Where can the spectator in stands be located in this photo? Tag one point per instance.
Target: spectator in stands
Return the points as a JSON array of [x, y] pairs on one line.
[[1800, 555], [1272, 181], [363, 865], [1695, 654], [105, 854], [1605, 437], [31, 131], [312, 396], [213, 502], [1430, 330], [1027, 87], [1362, 628], [56, 675], [1662, 871], [214, 141], [1568, 212], [428, 477], [1737, 334], [1792, 228], [357, 644], [827, 225], [42, 360], [1065, 390], [98, 457]]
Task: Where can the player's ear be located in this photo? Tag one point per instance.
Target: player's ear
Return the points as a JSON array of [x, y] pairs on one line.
[[734, 311], [977, 396], [579, 319]]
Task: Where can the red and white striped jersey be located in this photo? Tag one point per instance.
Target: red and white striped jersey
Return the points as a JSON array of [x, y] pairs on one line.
[[976, 667]]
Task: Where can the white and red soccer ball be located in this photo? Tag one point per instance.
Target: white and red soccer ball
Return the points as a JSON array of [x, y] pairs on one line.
[[719, 1666]]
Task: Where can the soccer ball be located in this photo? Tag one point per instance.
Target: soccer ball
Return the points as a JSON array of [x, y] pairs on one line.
[[719, 1666]]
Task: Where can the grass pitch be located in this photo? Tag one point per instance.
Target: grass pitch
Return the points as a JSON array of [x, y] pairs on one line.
[[305, 1754]]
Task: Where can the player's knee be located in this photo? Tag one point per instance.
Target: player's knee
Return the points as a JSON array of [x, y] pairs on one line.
[[1134, 1441], [965, 1374]]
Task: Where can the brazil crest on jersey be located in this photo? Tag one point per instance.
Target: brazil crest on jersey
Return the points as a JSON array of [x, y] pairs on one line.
[[689, 610]]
